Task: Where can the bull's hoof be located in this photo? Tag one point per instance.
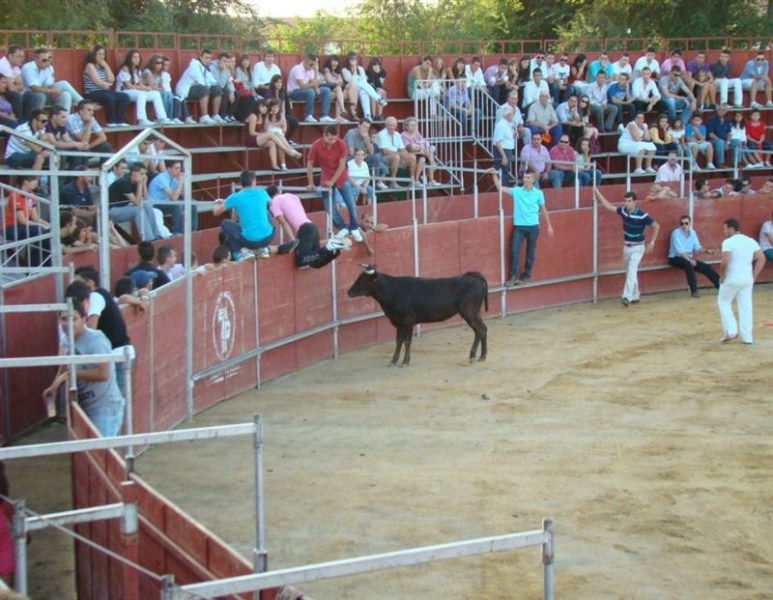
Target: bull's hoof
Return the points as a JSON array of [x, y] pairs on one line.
[[482, 359]]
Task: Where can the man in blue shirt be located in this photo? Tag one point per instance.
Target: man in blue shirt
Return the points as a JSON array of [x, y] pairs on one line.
[[718, 129], [254, 232], [684, 243], [528, 204], [167, 187], [634, 223], [756, 77]]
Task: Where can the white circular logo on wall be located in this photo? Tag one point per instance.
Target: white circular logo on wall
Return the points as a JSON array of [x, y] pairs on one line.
[[223, 324]]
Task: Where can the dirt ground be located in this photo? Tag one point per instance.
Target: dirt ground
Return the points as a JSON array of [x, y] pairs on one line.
[[647, 441]]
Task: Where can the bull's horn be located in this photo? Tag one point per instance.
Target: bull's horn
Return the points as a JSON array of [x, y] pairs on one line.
[[369, 269]]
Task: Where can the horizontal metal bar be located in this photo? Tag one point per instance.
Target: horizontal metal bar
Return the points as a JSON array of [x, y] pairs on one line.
[[28, 308], [139, 439], [71, 517], [364, 564], [64, 359], [37, 270]]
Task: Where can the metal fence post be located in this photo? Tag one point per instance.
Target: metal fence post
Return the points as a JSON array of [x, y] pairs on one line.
[[547, 557], [20, 545], [260, 555]]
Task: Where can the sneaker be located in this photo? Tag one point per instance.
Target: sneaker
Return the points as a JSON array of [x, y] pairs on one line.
[[342, 233], [651, 171], [327, 119], [625, 302], [190, 121], [164, 122], [111, 125], [218, 119], [512, 282], [262, 253], [434, 183], [383, 102], [177, 122], [640, 171], [695, 294], [145, 123], [755, 105], [769, 104], [342, 119], [296, 154], [244, 254], [356, 235], [737, 106], [382, 186], [710, 166], [310, 119], [206, 120], [334, 244], [621, 128]]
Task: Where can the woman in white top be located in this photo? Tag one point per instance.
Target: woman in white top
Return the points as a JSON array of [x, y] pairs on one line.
[[157, 78], [129, 81], [359, 177], [416, 144], [635, 141], [354, 75]]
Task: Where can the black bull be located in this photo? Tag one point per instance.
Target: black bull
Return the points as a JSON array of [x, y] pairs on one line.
[[407, 301]]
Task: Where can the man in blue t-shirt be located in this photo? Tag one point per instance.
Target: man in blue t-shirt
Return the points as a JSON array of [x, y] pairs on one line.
[[254, 232], [634, 222], [528, 203]]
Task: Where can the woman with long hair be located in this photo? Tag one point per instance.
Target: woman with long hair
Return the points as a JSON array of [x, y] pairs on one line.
[[156, 78], [129, 81], [276, 89], [355, 75], [376, 77], [98, 79], [345, 94], [256, 135]]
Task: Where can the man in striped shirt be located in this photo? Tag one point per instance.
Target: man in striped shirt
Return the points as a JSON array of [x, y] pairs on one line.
[[634, 222]]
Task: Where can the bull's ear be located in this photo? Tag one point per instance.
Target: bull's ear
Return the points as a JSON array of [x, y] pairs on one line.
[[369, 269]]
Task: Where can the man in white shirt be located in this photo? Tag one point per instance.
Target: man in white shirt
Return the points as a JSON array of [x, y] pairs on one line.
[[737, 280], [646, 96], [222, 70], [670, 171], [393, 149], [534, 88], [20, 154], [559, 73], [10, 68], [524, 133], [38, 77], [622, 66], [263, 72], [503, 142], [649, 61], [604, 112], [199, 85], [538, 62], [474, 74]]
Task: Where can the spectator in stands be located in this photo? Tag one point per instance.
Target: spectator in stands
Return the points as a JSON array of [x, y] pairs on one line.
[[533, 88], [439, 69], [603, 112], [221, 257], [647, 61], [746, 186], [303, 85], [460, 105], [355, 75], [528, 205], [646, 96], [7, 115], [704, 87], [56, 134], [358, 138], [166, 257], [553, 86], [421, 148], [635, 141], [331, 154], [559, 74], [198, 85], [245, 87], [523, 133], [695, 134], [76, 196], [738, 143], [70, 242], [359, 178], [677, 135], [702, 191], [179, 108], [302, 234], [147, 253], [474, 75], [619, 94], [129, 81], [601, 65], [676, 95], [345, 94], [10, 68], [578, 75], [660, 191], [22, 220], [98, 392], [127, 200], [276, 122], [755, 138], [421, 81], [83, 127], [21, 154], [660, 135], [675, 60], [766, 231], [276, 91], [524, 76], [264, 71], [98, 81], [157, 78], [257, 136], [671, 170], [38, 76], [253, 233], [683, 246], [542, 119], [538, 62], [721, 71], [756, 78], [458, 70], [503, 142], [623, 65], [496, 80], [223, 71], [587, 171], [376, 77], [535, 159], [395, 155], [169, 186], [568, 114], [564, 159], [767, 187], [718, 128]]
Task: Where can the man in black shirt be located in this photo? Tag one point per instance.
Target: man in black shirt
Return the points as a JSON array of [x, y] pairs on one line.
[[127, 197], [147, 252], [77, 196]]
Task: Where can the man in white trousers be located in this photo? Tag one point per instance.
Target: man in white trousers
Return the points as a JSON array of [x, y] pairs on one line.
[[736, 277]]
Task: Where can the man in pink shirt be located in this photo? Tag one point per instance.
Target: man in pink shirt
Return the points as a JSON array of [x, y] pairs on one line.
[[331, 154], [534, 158], [304, 85], [303, 235], [562, 171]]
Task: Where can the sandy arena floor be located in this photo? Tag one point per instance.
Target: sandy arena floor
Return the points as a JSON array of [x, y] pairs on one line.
[[646, 441]]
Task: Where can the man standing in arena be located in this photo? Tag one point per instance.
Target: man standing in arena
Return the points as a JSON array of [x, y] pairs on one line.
[[528, 203], [737, 280], [634, 222]]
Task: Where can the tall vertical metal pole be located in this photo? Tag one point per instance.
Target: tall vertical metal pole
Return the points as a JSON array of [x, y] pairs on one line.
[[20, 546], [189, 383], [260, 555], [548, 557], [127, 371], [502, 251], [104, 231], [475, 190], [595, 257]]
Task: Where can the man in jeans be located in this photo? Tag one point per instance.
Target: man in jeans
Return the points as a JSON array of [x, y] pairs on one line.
[[528, 203], [303, 85]]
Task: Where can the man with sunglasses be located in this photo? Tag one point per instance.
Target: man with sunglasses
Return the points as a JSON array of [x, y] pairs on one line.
[[21, 154], [756, 78], [38, 76], [681, 250]]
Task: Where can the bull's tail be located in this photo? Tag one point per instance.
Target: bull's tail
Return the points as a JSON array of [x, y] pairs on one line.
[[482, 279]]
